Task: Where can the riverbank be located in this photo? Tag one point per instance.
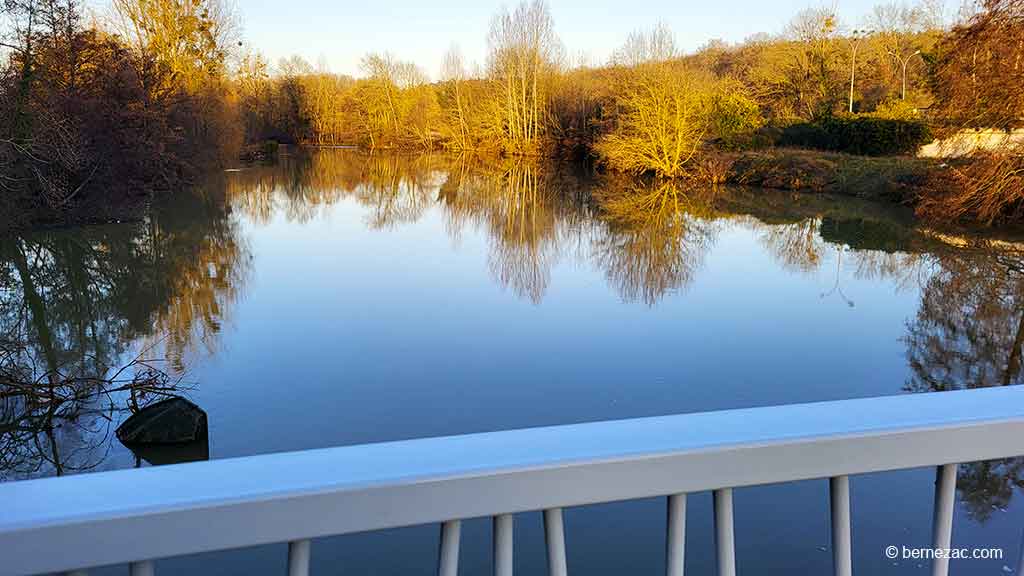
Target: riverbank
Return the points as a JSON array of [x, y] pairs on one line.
[[116, 210], [901, 180], [891, 179], [985, 191]]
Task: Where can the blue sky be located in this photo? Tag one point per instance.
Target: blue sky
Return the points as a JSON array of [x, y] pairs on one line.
[[340, 32]]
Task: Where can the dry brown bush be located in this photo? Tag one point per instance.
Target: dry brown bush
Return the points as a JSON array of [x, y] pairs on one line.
[[987, 190]]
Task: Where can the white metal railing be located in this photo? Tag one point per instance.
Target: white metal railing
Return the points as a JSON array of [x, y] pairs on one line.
[[72, 523]]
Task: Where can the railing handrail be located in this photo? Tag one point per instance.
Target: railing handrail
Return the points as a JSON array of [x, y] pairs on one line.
[[132, 515]]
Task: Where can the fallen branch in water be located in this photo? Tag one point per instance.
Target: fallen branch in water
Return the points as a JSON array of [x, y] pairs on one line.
[[34, 405]]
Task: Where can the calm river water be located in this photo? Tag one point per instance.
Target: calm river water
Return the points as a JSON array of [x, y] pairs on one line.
[[336, 298]]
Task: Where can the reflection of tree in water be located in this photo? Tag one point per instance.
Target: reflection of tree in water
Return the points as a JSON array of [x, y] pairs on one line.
[[988, 486], [905, 269], [796, 246], [969, 333], [73, 302], [528, 212], [195, 266], [969, 330], [805, 246], [656, 239], [398, 189], [800, 246], [532, 212]]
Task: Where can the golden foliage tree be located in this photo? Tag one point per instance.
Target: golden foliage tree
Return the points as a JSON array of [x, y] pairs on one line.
[[666, 114], [189, 39]]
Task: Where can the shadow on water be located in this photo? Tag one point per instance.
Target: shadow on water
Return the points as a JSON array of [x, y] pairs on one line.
[[81, 301], [157, 455]]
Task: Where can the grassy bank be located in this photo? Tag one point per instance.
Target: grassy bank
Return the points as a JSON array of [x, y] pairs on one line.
[[985, 190], [893, 179]]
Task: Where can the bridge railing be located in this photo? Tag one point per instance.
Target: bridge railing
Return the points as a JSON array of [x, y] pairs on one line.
[[135, 516]]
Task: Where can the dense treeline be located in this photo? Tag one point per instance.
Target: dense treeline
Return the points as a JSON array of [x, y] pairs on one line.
[[143, 100], [90, 115], [527, 98]]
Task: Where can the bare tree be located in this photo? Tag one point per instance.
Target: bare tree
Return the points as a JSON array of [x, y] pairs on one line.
[[654, 45], [897, 27], [190, 39], [524, 51], [388, 97], [815, 70], [453, 72]]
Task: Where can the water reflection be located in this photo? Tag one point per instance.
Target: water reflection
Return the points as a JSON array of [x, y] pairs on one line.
[[79, 301], [531, 214], [655, 238], [969, 328], [76, 304], [531, 211], [396, 189], [969, 333]]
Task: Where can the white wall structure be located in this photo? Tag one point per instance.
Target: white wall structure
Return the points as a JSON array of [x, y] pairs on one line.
[[967, 142]]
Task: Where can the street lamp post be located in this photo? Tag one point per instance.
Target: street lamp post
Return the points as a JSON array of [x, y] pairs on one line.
[[905, 62], [858, 35]]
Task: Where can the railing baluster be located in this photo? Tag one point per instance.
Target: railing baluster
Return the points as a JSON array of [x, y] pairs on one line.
[[942, 523], [448, 557], [725, 541], [554, 533], [143, 568], [504, 544], [1020, 555], [298, 558], [842, 547], [675, 543]]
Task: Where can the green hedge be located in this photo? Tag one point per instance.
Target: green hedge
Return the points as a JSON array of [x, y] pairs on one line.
[[861, 135]]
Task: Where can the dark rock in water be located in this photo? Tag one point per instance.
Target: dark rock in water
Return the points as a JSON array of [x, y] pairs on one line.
[[171, 421]]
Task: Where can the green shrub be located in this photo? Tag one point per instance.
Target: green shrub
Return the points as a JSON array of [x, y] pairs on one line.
[[896, 110], [270, 148], [861, 135], [735, 118]]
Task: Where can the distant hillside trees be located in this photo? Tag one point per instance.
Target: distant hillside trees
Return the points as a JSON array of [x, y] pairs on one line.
[[526, 100]]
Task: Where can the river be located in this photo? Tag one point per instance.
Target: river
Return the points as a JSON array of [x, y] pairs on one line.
[[336, 298]]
